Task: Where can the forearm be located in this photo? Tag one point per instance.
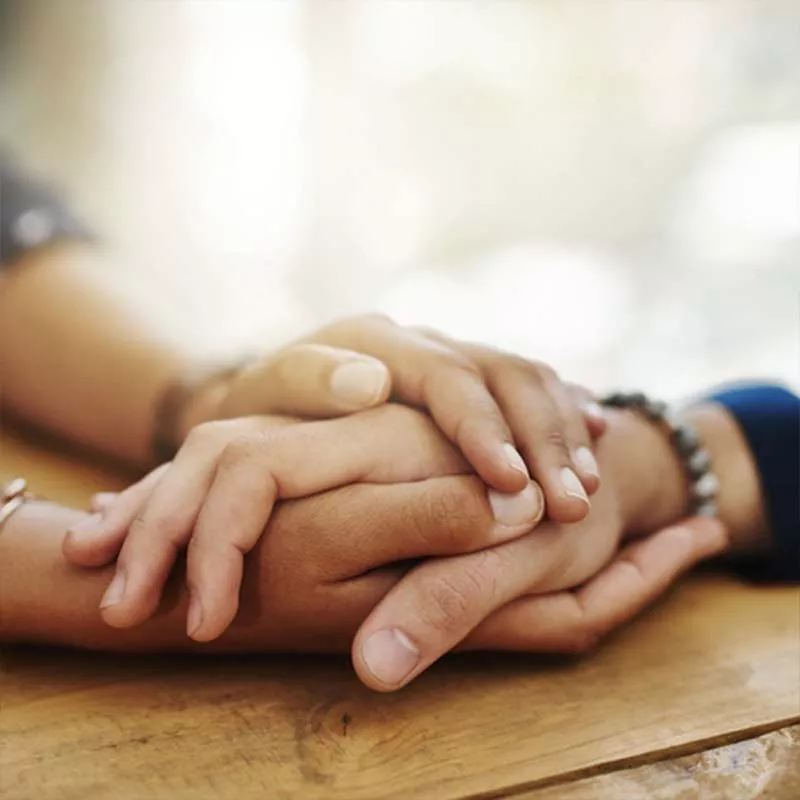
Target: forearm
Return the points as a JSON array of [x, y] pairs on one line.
[[75, 358], [45, 599]]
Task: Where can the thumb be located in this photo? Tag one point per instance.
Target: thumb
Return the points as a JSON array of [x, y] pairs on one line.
[[308, 380]]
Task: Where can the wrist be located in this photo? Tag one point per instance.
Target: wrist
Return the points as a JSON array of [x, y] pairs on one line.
[[647, 472], [194, 396], [652, 484], [740, 500]]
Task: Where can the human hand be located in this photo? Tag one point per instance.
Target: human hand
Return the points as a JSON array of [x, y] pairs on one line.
[[491, 404], [311, 581], [218, 494], [441, 601], [574, 621]]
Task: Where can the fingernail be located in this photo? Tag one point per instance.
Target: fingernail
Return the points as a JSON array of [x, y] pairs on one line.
[[572, 485], [87, 527], [115, 591], [390, 656], [360, 383], [103, 499], [194, 619], [593, 409], [586, 462], [516, 509], [515, 460]]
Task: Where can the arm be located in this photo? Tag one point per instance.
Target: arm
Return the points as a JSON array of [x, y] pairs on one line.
[[644, 492], [76, 359], [324, 550]]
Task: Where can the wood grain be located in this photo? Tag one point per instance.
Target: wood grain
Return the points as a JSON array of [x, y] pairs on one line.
[[766, 767], [716, 659]]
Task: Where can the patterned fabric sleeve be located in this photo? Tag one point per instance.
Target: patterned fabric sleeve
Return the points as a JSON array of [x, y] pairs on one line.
[[769, 417]]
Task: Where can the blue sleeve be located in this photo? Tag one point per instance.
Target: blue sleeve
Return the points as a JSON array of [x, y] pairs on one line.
[[769, 417]]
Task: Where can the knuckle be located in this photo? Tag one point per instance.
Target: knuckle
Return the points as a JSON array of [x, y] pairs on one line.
[[414, 424], [210, 432], [247, 447], [365, 322], [555, 439], [545, 372], [453, 519], [456, 599], [166, 531]]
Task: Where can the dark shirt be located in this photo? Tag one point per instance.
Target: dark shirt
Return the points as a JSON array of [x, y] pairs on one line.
[[31, 215], [769, 417]]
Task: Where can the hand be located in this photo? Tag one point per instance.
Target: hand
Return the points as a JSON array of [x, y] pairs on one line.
[[312, 580], [441, 601], [575, 621], [490, 404], [218, 495]]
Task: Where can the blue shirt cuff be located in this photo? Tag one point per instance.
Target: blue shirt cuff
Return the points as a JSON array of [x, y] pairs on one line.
[[769, 417]]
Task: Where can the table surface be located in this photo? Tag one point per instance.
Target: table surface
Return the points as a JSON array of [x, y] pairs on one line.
[[698, 698]]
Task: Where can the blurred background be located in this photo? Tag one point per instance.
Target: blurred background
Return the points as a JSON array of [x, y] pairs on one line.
[[612, 187]]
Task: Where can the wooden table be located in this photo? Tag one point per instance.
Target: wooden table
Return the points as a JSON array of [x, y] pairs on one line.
[[699, 698]]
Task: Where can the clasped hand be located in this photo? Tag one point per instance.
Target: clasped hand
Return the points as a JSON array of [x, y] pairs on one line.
[[400, 533]]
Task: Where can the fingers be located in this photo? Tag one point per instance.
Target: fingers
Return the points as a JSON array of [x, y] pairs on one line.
[[217, 497], [577, 433], [161, 527], [379, 525], [96, 540], [575, 621], [440, 601], [551, 436], [252, 475], [309, 380], [430, 374], [102, 500]]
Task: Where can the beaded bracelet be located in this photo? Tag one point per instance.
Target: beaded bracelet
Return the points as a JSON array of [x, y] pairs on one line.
[[13, 495], [695, 459]]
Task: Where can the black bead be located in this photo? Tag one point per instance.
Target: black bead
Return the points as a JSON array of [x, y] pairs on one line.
[[655, 410], [638, 399], [686, 440], [615, 400]]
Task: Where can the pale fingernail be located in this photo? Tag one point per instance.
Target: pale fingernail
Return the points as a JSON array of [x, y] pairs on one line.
[[86, 528], [390, 656], [194, 619], [516, 509], [515, 460], [360, 383], [572, 485], [115, 591], [586, 462], [593, 409], [103, 499]]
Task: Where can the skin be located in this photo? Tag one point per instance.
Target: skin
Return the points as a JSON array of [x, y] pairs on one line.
[[480, 398], [321, 570]]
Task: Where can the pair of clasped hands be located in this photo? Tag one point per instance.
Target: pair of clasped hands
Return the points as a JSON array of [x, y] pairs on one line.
[[468, 512]]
